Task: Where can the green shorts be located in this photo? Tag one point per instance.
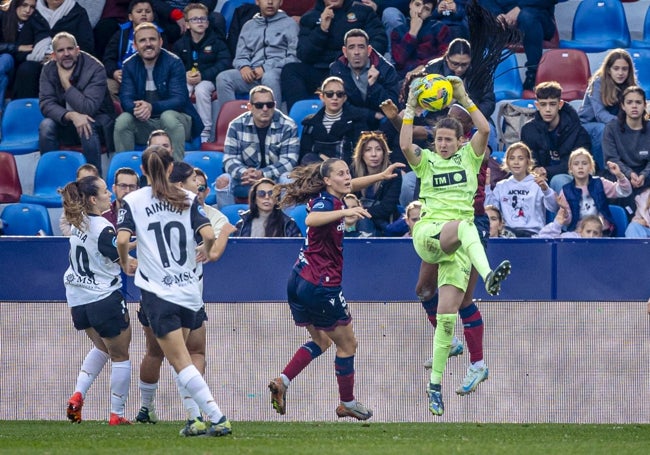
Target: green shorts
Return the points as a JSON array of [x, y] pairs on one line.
[[453, 269]]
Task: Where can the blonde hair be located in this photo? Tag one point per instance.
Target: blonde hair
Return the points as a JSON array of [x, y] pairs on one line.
[[412, 206], [519, 146], [582, 152]]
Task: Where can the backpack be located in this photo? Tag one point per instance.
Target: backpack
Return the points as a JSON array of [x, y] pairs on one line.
[[510, 119]]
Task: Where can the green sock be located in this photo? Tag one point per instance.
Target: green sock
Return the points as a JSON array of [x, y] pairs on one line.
[[468, 236], [442, 344]]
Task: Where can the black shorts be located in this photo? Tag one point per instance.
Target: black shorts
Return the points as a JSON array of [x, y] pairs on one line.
[[164, 316], [200, 319], [108, 316], [323, 307]]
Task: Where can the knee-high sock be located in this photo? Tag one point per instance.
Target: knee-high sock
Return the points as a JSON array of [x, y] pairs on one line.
[[431, 307], [468, 236], [90, 368], [120, 383], [191, 408], [344, 367], [441, 345], [302, 357], [473, 331], [148, 394], [190, 378]]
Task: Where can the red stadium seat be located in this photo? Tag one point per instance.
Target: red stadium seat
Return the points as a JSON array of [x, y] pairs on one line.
[[569, 67], [10, 189], [229, 111]]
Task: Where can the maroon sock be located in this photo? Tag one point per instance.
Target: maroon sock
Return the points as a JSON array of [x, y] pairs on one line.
[[346, 387], [298, 362], [473, 331]]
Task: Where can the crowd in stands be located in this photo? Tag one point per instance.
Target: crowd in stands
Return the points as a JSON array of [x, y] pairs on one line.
[[110, 73]]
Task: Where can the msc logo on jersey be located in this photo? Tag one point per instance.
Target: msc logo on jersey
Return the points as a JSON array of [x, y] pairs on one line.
[[449, 178], [181, 279]]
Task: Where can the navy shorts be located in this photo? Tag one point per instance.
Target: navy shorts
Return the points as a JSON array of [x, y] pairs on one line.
[[323, 307], [164, 317], [482, 223], [108, 316], [201, 317]]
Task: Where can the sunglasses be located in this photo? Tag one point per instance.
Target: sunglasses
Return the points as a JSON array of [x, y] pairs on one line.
[[268, 105], [201, 188], [331, 93], [375, 133], [262, 194]]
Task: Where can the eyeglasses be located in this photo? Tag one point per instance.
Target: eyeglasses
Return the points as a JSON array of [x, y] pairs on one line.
[[201, 188], [198, 19], [126, 186], [457, 64], [263, 194], [331, 93], [268, 105]]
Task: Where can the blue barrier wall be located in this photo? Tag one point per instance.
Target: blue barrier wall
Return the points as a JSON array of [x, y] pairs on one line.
[[31, 269]]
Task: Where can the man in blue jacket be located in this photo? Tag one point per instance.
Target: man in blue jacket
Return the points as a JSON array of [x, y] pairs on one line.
[[154, 96]]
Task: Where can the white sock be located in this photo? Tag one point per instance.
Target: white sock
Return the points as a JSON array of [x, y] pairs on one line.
[[189, 404], [191, 379], [285, 380], [148, 394], [90, 368], [120, 383], [479, 364]]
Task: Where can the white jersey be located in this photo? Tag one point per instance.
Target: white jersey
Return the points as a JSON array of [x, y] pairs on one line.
[[94, 271], [167, 239]]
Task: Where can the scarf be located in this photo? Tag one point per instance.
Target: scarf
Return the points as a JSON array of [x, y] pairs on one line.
[[44, 46]]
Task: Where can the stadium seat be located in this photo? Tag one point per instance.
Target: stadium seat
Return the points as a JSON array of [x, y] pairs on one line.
[[299, 213], [228, 9], [569, 67], [233, 211], [26, 219], [229, 111], [643, 43], [20, 123], [641, 59], [620, 219], [507, 80], [54, 170], [212, 164], [598, 26], [10, 189], [302, 109], [132, 160]]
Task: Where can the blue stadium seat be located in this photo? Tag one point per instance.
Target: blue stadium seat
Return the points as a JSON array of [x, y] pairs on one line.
[[212, 164], [598, 25], [10, 188], [132, 160], [641, 59], [299, 213], [620, 219], [26, 219], [232, 212], [228, 10], [302, 109], [20, 123], [507, 80], [643, 43], [54, 170]]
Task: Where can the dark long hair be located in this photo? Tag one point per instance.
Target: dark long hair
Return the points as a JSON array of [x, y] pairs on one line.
[[275, 223], [622, 115], [10, 22], [155, 162], [307, 182], [76, 200]]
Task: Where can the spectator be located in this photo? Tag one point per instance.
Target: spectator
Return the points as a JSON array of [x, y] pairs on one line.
[[121, 45], [126, 180], [588, 195], [524, 197], [205, 55], [154, 96], [115, 13], [260, 143], [452, 14], [416, 39], [372, 156], [368, 78], [536, 20], [264, 218], [322, 30], [590, 226], [266, 44], [172, 20], [351, 201], [75, 102], [497, 226], [333, 130], [602, 100], [553, 134], [639, 227], [50, 18], [12, 21], [219, 221]]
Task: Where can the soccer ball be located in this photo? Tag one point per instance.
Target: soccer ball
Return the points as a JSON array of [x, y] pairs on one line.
[[437, 93]]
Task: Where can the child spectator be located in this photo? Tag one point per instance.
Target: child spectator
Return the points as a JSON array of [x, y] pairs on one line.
[[524, 197], [639, 227], [497, 226], [590, 226], [452, 14]]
